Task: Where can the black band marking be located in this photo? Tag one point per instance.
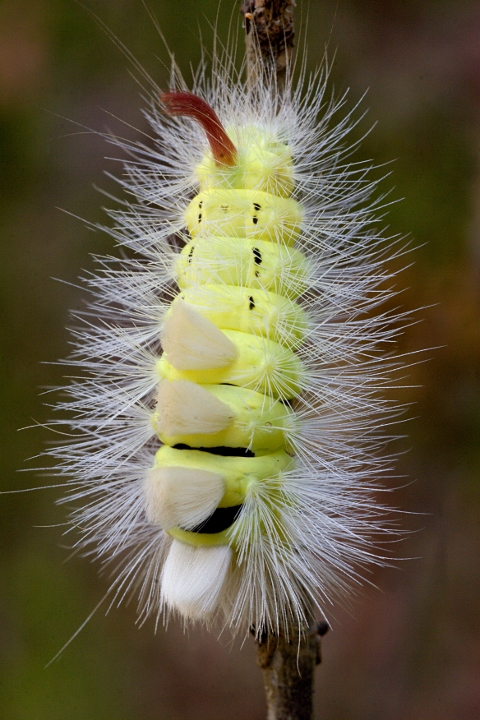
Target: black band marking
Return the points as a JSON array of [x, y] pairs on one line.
[[219, 520], [221, 450]]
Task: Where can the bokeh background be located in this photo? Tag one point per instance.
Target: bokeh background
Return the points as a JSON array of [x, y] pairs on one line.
[[410, 649]]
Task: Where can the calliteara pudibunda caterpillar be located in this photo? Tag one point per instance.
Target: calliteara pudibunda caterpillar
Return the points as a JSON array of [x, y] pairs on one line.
[[229, 426]]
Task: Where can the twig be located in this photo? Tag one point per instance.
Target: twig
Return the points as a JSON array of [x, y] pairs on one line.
[[288, 671], [288, 663], [269, 32]]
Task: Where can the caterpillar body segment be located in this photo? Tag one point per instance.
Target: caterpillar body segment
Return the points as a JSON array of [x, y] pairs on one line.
[[233, 261], [239, 472], [260, 364], [221, 416], [262, 163], [250, 214], [248, 310], [240, 475]]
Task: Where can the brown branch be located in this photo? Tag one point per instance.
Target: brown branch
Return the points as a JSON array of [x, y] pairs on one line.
[[288, 671], [288, 663], [269, 32]]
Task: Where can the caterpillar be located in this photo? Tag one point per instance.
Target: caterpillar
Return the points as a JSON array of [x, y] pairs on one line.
[[227, 413]]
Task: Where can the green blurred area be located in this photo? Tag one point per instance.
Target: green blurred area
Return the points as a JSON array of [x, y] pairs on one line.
[[410, 651]]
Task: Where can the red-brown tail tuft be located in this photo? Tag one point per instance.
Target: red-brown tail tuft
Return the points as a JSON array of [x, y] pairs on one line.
[[182, 103]]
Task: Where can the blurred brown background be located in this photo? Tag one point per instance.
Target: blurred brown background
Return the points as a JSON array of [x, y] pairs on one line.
[[410, 650]]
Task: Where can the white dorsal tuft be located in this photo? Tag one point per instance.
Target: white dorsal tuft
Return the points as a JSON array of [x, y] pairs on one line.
[[193, 578], [185, 408], [192, 342], [180, 496]]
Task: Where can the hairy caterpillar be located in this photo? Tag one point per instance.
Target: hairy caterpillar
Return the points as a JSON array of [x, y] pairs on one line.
[[228, 421]]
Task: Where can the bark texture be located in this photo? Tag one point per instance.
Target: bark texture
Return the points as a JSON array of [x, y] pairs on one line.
[[288, 667], [269, 32]]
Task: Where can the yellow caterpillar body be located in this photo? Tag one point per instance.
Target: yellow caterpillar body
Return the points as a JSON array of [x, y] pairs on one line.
[[231, 212], [228, 409], [240, 276]]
